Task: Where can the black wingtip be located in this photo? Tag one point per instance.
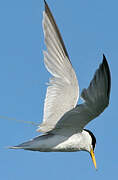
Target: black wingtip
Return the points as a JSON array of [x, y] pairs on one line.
[[47, 9], [45, 2], [46, 5], [52, 20], [104, 58], [106, 66]]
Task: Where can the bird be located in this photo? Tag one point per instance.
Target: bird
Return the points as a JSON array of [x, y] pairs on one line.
[[64, 121]]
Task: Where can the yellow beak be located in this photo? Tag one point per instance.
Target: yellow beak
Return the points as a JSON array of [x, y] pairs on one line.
[[93, 158]]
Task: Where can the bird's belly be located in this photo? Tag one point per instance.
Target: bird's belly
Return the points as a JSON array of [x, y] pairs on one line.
[[60, 144], [69, 145]]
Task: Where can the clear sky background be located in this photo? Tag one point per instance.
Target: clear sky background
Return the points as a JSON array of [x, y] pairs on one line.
[[89, 29]]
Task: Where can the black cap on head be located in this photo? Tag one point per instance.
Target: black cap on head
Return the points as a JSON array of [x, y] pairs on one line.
[[93, 138]]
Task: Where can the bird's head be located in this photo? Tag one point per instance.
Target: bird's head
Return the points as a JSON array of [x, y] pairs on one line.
[[91, 145]]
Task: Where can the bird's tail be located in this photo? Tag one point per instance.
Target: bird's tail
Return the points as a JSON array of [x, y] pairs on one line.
[[35, 144], [32, 144]]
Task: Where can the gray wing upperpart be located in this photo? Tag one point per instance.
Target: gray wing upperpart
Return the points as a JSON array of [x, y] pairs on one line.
[[96, 99]]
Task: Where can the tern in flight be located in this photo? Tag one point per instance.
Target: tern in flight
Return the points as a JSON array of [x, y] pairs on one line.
[[64, 120]]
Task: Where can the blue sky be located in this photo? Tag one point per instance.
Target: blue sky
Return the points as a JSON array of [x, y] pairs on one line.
[[89, 29]]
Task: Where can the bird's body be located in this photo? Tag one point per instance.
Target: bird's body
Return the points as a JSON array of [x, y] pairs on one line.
[[57, 143], [64, 121]]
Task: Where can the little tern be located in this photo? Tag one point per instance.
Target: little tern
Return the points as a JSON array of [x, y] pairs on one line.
[[64, 120]]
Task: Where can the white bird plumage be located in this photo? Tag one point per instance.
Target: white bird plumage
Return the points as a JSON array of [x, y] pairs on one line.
[[63, 90], [64, 120]]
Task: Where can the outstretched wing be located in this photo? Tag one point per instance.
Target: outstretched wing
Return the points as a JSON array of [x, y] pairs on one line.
[[96, 99], [63, 91]]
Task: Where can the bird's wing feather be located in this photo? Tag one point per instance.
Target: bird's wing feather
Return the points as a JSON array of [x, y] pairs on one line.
[[96, 99], [63, 91]]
